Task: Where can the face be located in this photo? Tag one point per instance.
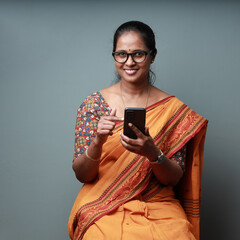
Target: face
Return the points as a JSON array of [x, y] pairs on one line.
[[130, 71]]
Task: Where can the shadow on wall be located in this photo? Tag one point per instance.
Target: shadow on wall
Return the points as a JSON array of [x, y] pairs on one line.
[[217, 194]]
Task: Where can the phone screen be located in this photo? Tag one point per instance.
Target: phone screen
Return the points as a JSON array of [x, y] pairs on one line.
[[136, 116]]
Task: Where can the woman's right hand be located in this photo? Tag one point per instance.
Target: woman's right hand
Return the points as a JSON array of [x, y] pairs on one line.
[[105, 127], [86, 170]]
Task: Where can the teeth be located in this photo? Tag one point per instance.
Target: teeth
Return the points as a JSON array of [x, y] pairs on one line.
[[130, 71]]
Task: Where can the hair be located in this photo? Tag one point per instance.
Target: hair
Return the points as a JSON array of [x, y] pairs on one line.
[[147, 35]]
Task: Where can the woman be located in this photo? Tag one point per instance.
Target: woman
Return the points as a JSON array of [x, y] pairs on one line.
[[130, 183]]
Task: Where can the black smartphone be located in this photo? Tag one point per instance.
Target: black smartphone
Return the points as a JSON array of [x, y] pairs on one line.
[[136, 116]]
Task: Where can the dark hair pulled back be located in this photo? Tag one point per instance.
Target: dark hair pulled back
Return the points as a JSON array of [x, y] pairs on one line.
[[142, 29], [147, 35]]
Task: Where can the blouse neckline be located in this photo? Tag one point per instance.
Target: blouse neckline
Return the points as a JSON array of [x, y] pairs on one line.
[[147, 108]]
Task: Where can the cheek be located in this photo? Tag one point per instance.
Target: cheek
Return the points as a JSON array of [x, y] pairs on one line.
[[146, 67], [118, 67]]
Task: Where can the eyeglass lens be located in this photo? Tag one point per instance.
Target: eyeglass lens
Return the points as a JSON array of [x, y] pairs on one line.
[[137, 57]]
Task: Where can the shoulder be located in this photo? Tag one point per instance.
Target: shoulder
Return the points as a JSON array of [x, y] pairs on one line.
[[110, 91], [184, 110], [94, 103], [93, 97], [176, 105], [157, 95], [92, 100], [111, 95]]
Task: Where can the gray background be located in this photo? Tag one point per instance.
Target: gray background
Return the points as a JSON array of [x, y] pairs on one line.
[[54, 54]]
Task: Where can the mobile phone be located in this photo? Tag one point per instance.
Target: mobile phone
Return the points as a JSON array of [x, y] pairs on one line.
[[136, 116]]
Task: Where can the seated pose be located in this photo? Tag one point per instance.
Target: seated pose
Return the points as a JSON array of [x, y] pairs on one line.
[[144, 188]]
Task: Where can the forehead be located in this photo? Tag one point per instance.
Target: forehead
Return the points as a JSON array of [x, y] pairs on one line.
[[130, 41]]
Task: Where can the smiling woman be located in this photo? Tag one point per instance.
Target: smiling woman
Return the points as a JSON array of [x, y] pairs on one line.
[[135, 68], [129, 183]]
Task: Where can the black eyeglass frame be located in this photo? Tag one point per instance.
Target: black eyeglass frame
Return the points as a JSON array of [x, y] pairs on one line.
[[131, 54]]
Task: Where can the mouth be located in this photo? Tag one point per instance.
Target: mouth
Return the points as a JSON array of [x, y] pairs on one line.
[[130, 71]]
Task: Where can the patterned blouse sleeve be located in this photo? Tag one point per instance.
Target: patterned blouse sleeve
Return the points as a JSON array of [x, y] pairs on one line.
[[88, 115], [180, 156]]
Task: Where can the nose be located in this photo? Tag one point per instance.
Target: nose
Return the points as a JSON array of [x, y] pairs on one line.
[[130, 61]]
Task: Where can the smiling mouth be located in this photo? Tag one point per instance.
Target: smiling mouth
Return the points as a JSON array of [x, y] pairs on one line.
[[130, 71]]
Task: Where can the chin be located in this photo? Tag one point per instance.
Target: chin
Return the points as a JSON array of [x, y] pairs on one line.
[[134, 79]]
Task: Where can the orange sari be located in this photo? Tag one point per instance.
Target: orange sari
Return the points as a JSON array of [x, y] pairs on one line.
[[126, 180]]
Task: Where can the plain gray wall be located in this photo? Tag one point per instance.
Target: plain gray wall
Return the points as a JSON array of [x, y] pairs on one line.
[[55, 53]]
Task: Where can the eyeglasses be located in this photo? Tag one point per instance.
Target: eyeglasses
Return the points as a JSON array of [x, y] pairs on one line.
[[137, 56]]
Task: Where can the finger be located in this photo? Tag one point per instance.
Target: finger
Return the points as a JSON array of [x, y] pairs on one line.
[[136, 130], [147, 131], [112, 118], [105, 132], [113, 112], [124, 138], [107, 122], [129, 147], [106, 127], [129, 141]]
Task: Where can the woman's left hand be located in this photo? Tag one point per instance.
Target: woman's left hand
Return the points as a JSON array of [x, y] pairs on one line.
[[143, 145], [168, 172]]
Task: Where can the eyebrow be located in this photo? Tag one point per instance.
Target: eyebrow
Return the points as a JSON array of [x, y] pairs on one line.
[[137, 50]]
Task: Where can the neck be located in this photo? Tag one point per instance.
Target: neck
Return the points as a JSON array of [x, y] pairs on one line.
[[134, 95], [134, 89]]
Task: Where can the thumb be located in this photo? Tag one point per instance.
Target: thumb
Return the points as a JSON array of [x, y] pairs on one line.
[[147, 131], [113, 112]]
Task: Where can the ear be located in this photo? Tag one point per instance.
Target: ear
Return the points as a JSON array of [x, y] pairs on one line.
[[153, 57]]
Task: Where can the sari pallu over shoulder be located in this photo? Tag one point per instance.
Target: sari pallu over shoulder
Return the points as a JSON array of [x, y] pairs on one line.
[[124, 175], [183, 126]]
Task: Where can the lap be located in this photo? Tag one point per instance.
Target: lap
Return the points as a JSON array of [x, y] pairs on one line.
[[139, 220]]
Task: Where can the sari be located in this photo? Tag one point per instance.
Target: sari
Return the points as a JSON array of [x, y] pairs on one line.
[[126, 181]]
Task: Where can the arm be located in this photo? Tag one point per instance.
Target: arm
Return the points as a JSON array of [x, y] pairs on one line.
[[86, 168], [168, 172]]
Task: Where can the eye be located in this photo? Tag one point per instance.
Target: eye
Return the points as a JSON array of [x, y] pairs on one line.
[[139, 54], [120, 54]]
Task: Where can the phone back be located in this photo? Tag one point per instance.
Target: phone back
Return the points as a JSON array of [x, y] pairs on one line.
[[136, 116]]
